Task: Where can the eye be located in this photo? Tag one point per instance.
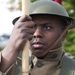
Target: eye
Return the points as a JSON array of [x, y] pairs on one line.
[[47, 27]]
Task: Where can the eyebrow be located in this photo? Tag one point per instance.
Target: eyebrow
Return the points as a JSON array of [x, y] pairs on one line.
[[43, 23]]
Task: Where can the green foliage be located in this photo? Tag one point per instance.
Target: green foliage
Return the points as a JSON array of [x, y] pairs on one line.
[[70, 7], [69, 42], [11, 1], [32, 0]]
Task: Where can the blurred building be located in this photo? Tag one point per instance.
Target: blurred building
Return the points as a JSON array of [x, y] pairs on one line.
[[4, 40]]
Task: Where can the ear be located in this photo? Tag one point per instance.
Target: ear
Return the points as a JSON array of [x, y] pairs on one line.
[[64, 36]]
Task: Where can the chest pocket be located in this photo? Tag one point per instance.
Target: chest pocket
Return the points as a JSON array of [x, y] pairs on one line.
[[68, 66]]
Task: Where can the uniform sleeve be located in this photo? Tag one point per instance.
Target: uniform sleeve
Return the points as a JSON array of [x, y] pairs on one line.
[[12, 67], [1, 73]]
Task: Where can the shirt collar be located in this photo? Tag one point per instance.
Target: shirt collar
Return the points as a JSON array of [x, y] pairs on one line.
[[53, 56]]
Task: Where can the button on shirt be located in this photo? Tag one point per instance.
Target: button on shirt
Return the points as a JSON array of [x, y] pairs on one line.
[[50, 65]]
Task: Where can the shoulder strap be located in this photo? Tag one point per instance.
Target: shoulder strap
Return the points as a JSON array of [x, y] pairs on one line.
[[67, 67]]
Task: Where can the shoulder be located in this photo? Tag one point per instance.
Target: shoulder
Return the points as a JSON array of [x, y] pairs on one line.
[[68, 59], [68, 66], [69, 62]]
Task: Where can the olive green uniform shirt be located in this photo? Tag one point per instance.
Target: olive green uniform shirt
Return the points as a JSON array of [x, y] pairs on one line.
[[50, 65]]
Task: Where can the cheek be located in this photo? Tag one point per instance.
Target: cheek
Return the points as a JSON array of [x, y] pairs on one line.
[[52, 37]]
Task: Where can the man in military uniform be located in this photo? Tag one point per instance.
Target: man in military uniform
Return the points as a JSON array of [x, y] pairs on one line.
[[46, 28]]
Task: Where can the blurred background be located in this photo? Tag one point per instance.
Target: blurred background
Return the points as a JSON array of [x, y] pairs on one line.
[[9, 9]]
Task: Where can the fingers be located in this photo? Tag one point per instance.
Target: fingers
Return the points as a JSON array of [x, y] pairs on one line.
[[23, 30], [27, 36], [27, 24], [24, 18], [24, 27], [26, 21]]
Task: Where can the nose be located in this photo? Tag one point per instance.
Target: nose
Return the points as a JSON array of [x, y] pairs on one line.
[[38, 33]]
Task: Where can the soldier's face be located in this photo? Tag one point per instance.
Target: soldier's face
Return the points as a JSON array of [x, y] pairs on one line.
[[48, 29]]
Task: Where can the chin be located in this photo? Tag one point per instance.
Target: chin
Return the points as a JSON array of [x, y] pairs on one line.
[[39, 55]]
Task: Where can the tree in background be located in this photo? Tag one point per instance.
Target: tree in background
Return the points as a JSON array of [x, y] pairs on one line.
[[70, 7], [69, 42]]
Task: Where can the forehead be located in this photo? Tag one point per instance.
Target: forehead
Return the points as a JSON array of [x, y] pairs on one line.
[[46, 18]]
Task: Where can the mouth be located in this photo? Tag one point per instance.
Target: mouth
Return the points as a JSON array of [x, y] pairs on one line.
[[37, 45], [38, 48]]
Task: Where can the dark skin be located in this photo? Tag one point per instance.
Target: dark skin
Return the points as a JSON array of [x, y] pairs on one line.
[[48, 29], [41, 31]]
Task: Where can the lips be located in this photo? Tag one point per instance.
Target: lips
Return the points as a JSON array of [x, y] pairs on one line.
[[37, 45]]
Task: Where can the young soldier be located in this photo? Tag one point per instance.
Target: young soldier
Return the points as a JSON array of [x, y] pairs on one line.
[[45, 28]]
